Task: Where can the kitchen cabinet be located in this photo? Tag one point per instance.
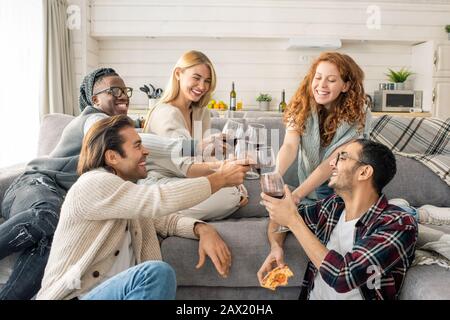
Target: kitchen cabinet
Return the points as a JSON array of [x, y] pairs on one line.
[[441, 98], [431, 65]]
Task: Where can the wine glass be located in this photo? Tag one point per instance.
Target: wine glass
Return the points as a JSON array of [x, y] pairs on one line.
[[256, 134], [272, 184], [256, 137], [240, 152], [265, 160], [232, 131], [246, 152]]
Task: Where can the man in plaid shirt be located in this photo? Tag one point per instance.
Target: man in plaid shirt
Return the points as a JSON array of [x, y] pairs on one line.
[[359, 246]]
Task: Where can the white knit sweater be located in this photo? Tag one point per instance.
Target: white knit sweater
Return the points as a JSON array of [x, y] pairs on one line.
[[167, 120], [93, 224]]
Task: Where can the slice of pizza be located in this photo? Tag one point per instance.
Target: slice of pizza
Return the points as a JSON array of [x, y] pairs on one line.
[[277, 277]]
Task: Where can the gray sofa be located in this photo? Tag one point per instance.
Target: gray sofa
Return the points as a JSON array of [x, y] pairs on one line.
[[246, 232]]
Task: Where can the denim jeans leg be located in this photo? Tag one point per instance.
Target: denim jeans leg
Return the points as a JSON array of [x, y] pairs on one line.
[[323, 191], [412, 211], [28, 271], [151, 280], [31, 207], [27, 229]]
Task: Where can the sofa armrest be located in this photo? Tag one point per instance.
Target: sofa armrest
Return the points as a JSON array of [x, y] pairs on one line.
[[7, 176]]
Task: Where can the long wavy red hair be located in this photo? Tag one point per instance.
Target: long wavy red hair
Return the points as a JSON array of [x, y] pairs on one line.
[[348, 107]]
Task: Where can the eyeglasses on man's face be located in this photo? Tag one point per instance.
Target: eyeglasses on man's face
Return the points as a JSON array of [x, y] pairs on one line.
[[344, 156], [116, 92]]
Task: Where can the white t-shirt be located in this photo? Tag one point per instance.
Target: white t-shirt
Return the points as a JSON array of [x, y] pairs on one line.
[[93, 119], [341, 241], [125, 259]]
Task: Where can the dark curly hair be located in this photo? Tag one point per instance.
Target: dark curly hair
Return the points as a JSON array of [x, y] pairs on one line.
[[382, 161]]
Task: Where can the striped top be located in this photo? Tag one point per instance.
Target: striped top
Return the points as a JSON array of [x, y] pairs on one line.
[[93, 225]]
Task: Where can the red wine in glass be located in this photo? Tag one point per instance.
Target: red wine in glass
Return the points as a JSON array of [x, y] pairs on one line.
[[272, 184], [235, 140], [278, 195]]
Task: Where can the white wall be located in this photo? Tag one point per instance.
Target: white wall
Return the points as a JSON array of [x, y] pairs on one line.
[[256, 65], [86, 50], [399, 20], [246, 39]]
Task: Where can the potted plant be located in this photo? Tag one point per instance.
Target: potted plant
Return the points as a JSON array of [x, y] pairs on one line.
[[447, 28], [264, 101], [399, 77]]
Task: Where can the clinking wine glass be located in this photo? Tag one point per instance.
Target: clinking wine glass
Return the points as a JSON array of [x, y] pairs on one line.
[[232, 132], [272, 184], [265, 160], [256, 136], [245, 153]]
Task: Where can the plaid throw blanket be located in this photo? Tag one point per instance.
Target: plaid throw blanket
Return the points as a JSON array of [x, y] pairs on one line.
[[424, 139]]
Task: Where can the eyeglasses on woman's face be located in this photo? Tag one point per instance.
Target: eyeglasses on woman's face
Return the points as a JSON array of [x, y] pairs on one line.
[[116, 92]]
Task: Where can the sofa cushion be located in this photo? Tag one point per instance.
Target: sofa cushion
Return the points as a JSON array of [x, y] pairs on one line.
[[253, 209], [52, 126], [7, 176], [247, 240], [262, 114], [6, 265], [426, 283], [417, 184]]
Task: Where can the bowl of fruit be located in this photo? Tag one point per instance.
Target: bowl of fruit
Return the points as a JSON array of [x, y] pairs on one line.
[[217, 105]]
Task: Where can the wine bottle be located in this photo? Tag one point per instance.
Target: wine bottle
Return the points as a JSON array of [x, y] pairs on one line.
[[282, 105], [232, 98]]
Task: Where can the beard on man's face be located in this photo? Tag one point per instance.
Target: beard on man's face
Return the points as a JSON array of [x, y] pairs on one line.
[[342, 180]]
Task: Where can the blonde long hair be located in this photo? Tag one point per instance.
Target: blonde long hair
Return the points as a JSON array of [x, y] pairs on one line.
[[188, 60], [348, 107]]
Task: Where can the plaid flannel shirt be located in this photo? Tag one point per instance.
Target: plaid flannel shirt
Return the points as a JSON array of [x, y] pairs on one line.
[[384, 243]]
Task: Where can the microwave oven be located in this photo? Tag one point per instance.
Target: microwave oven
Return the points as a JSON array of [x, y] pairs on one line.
[[397, 100]]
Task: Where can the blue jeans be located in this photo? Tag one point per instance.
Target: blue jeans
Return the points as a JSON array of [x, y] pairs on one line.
[[151, 280], [412, 211], [324, 191], [31, 209]]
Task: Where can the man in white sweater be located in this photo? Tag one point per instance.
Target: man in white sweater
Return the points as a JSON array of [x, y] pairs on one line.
[[106, 244]]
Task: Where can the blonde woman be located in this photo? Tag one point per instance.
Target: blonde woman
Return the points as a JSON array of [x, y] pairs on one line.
[[182, 113]]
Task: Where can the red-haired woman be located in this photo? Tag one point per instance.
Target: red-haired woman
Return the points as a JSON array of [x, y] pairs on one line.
[[327, 111]]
